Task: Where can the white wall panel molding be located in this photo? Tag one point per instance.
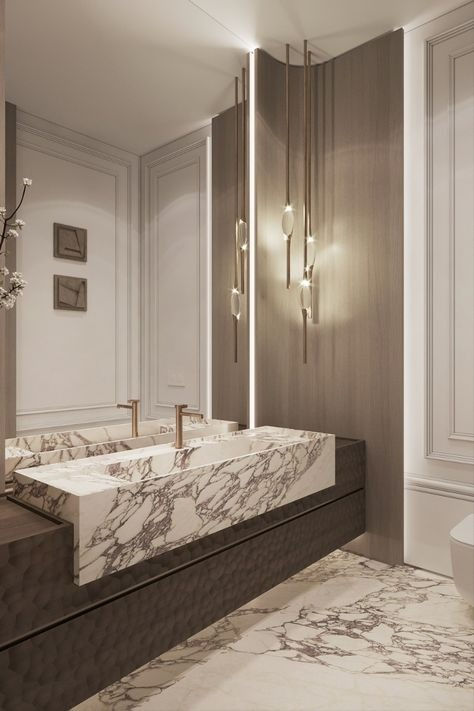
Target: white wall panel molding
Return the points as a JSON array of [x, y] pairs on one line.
[[440, 487], [175, 268], [438, 471], [450, 251], [41, 137]]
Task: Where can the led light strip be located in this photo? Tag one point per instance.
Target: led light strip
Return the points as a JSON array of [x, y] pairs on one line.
[[252, 251], [209, 273]]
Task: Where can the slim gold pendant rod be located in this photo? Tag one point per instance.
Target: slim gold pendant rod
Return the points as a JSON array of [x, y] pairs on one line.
[[309, 147], [305, 336], [305, 134], [235, 290], [236, 130], [305, 244], [287, 98], [236, 321], [244, 146], [243, 225]]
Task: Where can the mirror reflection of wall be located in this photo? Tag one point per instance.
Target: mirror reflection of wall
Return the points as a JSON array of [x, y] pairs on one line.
[[133, 319], [75, 364]]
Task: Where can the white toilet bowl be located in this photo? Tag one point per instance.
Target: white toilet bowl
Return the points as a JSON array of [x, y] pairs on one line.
[[462, 557]]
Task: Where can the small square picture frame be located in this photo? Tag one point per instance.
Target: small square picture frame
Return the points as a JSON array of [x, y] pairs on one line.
[[70, 242], [70, 293]]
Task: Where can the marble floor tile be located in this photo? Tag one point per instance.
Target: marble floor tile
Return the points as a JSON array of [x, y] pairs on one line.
[[345, 634]]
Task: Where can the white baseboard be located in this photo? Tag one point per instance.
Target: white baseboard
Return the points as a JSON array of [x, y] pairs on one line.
[[432, 509]]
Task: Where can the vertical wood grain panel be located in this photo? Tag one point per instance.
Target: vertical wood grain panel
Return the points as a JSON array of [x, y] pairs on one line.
[[2, 197], [352, 384], [10, 316], [229, 379]]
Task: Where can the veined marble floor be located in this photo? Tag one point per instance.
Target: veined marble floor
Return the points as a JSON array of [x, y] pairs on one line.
[[345, 634]]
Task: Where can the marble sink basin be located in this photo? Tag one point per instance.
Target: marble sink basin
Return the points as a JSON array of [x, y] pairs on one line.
[[133, 505], [38, 449]]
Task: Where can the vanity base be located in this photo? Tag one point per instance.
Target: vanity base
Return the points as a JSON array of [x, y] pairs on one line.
[[106, 629]]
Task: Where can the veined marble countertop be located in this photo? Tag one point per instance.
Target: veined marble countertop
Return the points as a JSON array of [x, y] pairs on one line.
[[38, 449], [133, 505]]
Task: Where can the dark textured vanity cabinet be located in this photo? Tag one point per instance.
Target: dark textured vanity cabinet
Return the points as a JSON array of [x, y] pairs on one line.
[[60, 643]]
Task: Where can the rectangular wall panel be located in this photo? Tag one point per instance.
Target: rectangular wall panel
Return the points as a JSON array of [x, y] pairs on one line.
[[176, 251], [174, 276], [73, 367], [450, 186]]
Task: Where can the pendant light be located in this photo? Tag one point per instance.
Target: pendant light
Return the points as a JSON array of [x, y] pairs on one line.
[[235, 294], [288, 216], [306, 288], [243, 224]]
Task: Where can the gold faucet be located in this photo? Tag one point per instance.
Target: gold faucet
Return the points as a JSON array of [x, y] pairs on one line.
[[180, 413], [133, 406]]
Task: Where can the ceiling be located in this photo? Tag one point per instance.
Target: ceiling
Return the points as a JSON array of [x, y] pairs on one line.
[[140, 73]]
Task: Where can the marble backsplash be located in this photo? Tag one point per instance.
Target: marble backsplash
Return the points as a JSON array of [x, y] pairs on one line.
[[35, 450]]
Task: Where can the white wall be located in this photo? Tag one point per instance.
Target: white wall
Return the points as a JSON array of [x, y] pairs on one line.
[[176, 276], [72, 367], [439, 278], [147, 327]]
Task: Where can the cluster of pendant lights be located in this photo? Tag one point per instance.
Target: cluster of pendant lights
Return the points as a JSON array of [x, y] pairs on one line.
[[288, 216], [241, 222]]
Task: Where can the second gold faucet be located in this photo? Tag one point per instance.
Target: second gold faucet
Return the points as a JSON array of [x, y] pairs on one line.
[[180, 413]]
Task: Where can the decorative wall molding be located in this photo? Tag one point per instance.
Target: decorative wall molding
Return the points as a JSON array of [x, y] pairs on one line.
[[433, 448], [440, 487], [185, 154], [438, 492], [59, 142], [454, 434]]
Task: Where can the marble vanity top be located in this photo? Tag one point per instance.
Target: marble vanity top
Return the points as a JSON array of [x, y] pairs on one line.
[[132, 505], [38, 449]]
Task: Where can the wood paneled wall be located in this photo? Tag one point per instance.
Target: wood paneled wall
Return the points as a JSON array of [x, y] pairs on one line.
[[230, 381], [352, 384]]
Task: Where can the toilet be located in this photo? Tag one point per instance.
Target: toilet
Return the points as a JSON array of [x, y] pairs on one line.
[[462, 557]]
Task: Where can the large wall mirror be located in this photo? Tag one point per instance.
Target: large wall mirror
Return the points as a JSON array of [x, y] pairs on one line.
[[116, 246]]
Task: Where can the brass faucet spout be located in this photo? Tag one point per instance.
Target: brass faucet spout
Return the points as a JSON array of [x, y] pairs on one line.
[[180, 413], [133, 406]]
